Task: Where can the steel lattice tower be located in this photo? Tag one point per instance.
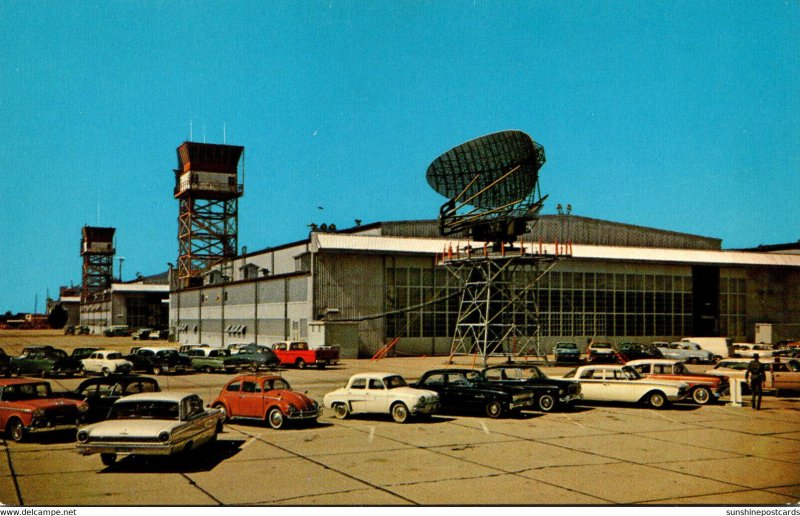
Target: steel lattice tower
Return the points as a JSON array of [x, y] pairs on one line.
[[97, 251], [208, 190], [499, 313]]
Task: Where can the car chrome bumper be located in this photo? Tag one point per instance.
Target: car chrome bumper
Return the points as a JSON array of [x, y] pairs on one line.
[[428, 408], [521, 404], [569, 398], [309, 414], [133, 448], [51, 428]]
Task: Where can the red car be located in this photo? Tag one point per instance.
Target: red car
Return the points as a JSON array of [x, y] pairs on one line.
[[267, 398], [28, 406], [703, 388]]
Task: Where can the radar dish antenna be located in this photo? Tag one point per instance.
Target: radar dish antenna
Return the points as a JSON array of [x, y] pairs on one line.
[[492, 186]]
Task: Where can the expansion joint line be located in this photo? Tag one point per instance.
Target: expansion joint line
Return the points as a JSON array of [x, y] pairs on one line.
[[13, 473], [313, 461]]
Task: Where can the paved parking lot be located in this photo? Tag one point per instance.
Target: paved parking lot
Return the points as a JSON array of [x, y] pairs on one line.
[[597, 455]]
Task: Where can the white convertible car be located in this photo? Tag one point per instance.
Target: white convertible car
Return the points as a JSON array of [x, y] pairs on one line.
[[151, 423], [381, 393], [622, 383]]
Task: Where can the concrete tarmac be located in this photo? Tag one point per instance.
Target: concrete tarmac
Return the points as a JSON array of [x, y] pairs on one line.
[[594, 455]]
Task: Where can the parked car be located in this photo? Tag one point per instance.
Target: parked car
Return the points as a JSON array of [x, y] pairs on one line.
[[101, 393], [45, 361], [746, 350], [5, 363], [567, 352], [209, 360], [158, 360], [118, 330], [81, 353], [469, 390], [623, 383], [627, 351], [689, 352], [703, 388], [551, 393], [779, 376], [600, 352], [381, 393], [297, 353], [267, 398], [236, 346], [142, 334], [151, 423], [106, 362], [261, 357], [28, 406]]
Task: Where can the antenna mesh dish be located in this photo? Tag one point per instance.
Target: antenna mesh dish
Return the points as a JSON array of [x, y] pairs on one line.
[[510, 159]]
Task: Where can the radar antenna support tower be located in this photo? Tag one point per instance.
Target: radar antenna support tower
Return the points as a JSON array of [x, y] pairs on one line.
[[492, 186]]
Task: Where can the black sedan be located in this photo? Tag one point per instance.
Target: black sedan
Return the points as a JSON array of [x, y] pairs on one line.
[[550, 393], [260, 356], [101, 393], [158, 360], [468, 390]]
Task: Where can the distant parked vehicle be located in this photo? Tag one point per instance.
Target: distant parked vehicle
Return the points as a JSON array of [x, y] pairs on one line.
[[689, 352], [5, 363], [627, 351], [157, 360], [297, 354], [45, 361], [566, 352], [106, 362], [600, 352], [261, 357], [142, 334], [210, 360], [81, 353], [118, 330], [746, 350]]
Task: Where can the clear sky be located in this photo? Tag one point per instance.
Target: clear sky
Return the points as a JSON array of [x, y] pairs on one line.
[[679, 115]]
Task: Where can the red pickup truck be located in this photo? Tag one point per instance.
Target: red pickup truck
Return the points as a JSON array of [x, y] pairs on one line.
[[296, 353]]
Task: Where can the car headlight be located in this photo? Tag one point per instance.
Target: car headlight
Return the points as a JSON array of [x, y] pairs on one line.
[[38, 412], [83, 436], [83, 407], [164, 437], [292, 409]]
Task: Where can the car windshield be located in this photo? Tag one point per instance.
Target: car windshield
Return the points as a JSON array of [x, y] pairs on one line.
[[114, 356], [25, 391], [145, 410], [601, 345], [567, 345], [631, 373], [393, 382], [167, 353]]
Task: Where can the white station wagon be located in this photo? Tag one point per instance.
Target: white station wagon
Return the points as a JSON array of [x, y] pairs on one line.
[[381, 393], [151, 423], [622, 383], [106, 362]]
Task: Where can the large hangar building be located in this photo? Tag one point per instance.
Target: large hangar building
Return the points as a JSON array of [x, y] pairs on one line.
[[352, 288]]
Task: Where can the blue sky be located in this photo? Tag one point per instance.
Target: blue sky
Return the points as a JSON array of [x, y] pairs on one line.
[[677, 115]]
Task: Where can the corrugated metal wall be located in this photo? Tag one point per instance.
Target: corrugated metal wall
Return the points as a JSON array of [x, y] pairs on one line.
[[353, 285]]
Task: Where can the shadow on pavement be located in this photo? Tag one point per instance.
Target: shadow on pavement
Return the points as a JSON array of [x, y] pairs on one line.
[[205, 458]]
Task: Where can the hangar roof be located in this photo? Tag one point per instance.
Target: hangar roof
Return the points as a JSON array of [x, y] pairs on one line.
[[403, 245]]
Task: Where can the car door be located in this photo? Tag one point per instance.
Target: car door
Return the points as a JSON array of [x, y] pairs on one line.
[[462, 394], [377, 396], [251, 399], [90, 364], [357, 396], [591, 384], [784, 378]]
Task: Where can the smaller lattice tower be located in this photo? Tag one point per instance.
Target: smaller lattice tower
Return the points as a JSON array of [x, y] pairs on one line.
[[97, 251], [208, 189]]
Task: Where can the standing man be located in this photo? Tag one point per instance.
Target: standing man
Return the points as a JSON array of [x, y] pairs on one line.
[[755, 376]]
